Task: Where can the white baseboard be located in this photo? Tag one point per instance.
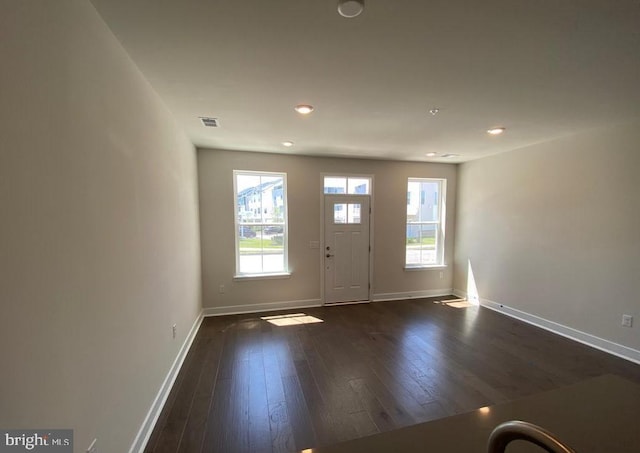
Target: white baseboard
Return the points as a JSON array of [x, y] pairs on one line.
[[383, 297], [150, 420], [608, 346], [259, 308]]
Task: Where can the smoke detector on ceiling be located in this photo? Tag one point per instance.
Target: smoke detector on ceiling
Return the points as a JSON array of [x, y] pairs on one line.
[[209, 122], [350, 8]]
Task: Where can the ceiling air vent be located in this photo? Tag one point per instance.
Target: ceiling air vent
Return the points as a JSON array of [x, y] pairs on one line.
[[209, 122]]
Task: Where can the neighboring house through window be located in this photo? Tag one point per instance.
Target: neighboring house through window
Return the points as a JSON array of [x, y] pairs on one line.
[[260, 200], [425, 222]]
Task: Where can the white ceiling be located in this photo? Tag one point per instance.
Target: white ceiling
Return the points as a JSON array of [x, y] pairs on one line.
[[541, 68]]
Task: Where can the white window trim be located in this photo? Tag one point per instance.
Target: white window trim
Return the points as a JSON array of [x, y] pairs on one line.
[[425, 267], [440, 241], [261, 275], [273, 276]]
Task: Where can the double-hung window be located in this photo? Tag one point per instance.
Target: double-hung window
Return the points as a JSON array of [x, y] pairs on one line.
[[260, 200], [425, 222]]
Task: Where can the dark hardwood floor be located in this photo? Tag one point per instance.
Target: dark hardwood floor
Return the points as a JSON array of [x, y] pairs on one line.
[[250, 386]]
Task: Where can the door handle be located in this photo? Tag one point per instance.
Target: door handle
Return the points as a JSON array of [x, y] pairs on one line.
[[329, 255]]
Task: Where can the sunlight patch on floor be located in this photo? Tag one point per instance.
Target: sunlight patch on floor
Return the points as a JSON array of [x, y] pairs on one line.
[[294, 319], [460, 304], [455, 303]]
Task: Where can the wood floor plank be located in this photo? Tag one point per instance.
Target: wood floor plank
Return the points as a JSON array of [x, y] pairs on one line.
[[378, 414], [404, 391], [282, 440], [336, 393], [299, 418], [239, 396], [217, 436], [272, 373], [195, 428], [259, 424]]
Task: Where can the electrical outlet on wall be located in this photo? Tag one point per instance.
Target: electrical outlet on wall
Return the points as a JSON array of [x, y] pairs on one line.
[[627, 321]]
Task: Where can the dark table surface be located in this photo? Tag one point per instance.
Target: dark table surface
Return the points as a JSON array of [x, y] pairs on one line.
[[601, 414]]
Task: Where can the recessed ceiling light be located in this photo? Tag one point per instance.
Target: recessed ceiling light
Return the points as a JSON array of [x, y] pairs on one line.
[[496, 130], [431, 154], [449, 156], [350, 8], [304, 109], [288, 144]]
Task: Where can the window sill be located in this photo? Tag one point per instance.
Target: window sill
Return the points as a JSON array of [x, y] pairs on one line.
[[262, 276], [425, 268]]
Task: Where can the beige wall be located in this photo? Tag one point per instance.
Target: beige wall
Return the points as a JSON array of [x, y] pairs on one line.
[[215, 169], [554, 230], [99, 248]]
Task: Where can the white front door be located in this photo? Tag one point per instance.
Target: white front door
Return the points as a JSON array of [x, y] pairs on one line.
[[346, 248]]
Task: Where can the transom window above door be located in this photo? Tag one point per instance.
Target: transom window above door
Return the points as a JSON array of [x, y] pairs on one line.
[[353, 185]]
